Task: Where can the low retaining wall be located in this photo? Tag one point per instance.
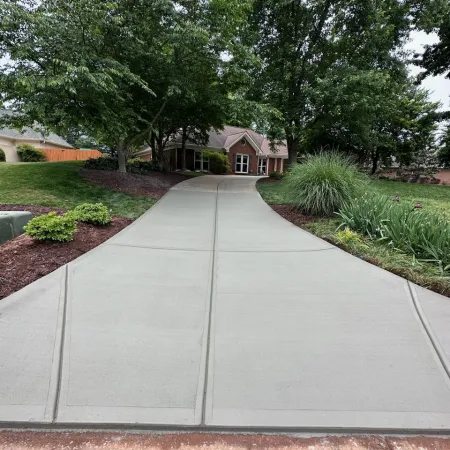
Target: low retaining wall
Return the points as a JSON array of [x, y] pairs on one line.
[[12, 223]]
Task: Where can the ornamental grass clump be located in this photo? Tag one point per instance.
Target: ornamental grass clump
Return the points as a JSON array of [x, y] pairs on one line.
[[323, 183]]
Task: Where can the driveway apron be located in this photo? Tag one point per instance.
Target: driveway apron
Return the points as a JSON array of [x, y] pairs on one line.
[[212, 311]]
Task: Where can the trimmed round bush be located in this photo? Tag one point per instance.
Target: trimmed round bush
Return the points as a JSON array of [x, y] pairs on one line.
[[218, 163], [2, 155], [28, 153], [50, 227], [94, 213], [323, 183]]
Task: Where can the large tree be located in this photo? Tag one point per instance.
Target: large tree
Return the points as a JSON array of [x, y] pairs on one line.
[[117, 70], [300, 42]]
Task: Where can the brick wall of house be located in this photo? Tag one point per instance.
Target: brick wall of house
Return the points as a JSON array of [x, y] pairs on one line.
[[246, 149]]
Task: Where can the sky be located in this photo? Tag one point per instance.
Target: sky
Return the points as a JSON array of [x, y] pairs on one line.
[[439, 87]]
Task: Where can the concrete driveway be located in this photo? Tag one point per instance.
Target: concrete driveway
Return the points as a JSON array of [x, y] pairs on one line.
[[212, 311]]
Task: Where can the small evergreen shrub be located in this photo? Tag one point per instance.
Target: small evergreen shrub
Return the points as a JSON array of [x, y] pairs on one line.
[[2, 155], [28, 153], [103, 163], [139, 165], [50, 227], [276, 175], [218, 163], [134, 165], [323, 183], [94, 213]]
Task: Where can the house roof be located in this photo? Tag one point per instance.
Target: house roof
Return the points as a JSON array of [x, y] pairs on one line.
[[31, 134], [224, 139]]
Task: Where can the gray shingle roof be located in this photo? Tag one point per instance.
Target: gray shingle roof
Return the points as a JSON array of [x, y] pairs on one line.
[[223, 138], [29, 133]]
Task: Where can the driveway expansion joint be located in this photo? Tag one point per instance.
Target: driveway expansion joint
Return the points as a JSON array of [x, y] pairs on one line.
[[429, 330]]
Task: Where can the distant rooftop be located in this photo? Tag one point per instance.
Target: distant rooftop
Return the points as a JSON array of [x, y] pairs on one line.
[[29, 133]]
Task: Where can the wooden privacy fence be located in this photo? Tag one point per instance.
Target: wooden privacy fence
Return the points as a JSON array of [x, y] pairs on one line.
[[69, 154]]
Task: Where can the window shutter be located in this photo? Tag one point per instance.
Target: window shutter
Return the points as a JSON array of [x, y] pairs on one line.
[[233, 167], [250, 164]]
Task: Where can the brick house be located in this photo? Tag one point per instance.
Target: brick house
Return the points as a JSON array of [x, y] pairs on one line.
[[249, 153]]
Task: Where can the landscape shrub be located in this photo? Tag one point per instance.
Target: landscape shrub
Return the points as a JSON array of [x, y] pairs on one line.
[[134, 165], [276, 175], [50, 227], [94, 213], [218, 163], [103, 163], [350, 238], [323, 183], [2, 155], [139, 165], [404, 226], [28, 153]]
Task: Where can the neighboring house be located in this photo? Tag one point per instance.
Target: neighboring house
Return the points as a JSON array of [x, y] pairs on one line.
[[10, 139], [248, 152]]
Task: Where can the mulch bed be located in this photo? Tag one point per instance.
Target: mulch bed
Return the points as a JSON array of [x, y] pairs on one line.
[[293, 215], [155, 184], [23, 260]]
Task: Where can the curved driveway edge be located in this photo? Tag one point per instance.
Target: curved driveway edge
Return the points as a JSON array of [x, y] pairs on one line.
[[212, 311]]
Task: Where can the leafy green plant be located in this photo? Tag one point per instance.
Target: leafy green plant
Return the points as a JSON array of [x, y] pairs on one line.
[[95, 213], [323, 183], [2, 155], [276, 175], [28, 153], [103, 163], [218, 163], [51, 227], [402, 225], [134, 165], [138, 165], [350, 238]]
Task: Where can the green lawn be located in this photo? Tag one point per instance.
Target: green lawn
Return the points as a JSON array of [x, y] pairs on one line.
[[435, 198], [60, 185]]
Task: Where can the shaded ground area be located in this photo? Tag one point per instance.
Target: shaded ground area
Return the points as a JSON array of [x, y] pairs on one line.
[[10, 440], [23, 261], [155, 184]]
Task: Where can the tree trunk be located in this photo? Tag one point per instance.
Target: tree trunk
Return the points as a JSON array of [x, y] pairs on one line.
[[293, 151], [122, 158], [375, 159], [183, 150]]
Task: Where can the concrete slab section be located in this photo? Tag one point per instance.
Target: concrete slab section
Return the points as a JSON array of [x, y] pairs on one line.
[[30, 337], [247, 223], [135, 337], [436, 314], [319, 339], [181, 219]]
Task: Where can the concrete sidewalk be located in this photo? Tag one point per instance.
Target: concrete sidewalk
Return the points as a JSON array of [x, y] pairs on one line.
[[212, 311]]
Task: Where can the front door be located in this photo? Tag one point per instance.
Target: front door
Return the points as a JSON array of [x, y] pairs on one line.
[[242, 163], [262, 167]]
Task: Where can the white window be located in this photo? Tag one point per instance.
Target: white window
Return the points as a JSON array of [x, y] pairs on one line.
[[262, 167], [201, 163], [242, 163]]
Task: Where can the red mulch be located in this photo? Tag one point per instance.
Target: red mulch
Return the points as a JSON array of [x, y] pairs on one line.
[[22, 440], [155, 184], [268, 180], [23, 260], [293, 215]]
